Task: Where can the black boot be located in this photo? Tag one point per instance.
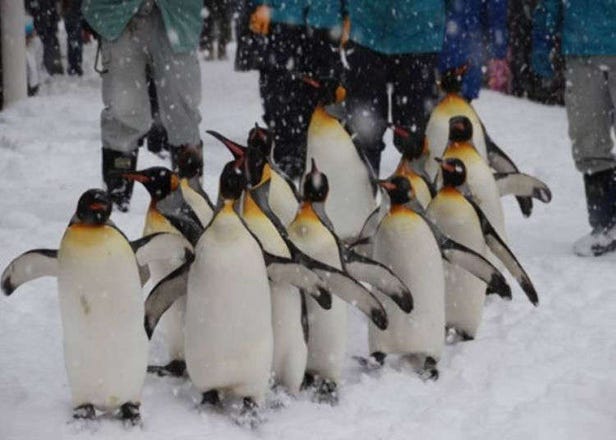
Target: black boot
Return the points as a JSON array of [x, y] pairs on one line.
[[114, 164], [158, 143], [601, 202]]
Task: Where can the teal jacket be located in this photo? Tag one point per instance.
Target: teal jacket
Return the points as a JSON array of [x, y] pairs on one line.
[[182, 19], [587, 27], [286, 11], [398, 26], [325, 14]]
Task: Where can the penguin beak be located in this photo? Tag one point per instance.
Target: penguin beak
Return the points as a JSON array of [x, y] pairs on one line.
[[311, 82], [314, 169], [236, 149], [386, 184], [445, 165], [98, 206], [398, 130], [136, 177]]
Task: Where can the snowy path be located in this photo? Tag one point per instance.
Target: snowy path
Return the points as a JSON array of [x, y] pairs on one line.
[[544, 373]]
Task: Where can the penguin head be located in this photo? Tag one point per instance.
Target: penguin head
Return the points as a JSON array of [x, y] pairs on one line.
[[316, 185], [94, 207], [410, 140], [327, 90], [261, 139], [159, 181], [238, 151], [460, 129], [399, 189], [190, 163], [254, 164], [454, 171], [232, 180], [451, 80]]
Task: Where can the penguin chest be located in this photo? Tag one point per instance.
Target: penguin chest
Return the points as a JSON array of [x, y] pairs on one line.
[[267, 233], [422, 192], [102, 316], [405, 243], [282, 199], [350, 200], [228, 317]]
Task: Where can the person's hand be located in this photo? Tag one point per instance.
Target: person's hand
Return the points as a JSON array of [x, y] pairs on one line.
[[346, 31], [498, 75], [260, 20]]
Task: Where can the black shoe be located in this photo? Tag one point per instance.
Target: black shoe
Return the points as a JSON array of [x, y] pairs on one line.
[[114, 164], [157, 139], [601, 202]]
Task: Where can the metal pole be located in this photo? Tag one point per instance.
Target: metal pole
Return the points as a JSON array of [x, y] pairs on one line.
[[12, 25]]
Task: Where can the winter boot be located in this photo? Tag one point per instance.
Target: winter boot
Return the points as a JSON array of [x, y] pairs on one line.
[[601, 201], [158, 142], [114, 164]]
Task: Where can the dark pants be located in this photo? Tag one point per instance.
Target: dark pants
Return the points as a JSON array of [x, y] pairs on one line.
[[288, 102], [46, 24], [217, 25], [412, 79], [74, 41]]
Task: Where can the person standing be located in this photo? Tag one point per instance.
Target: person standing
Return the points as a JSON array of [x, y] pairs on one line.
[[46, 18], [216, 26], [589, 47], [71, 11], [395, 43], [161, 34]]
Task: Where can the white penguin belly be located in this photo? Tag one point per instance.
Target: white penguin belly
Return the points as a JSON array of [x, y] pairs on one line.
[[290, 351], [464, 293], [405, 243], [350, 200], [327, 328], [105, 345], [229, 340]]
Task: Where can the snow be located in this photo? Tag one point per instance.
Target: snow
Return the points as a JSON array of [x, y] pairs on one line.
[[544, 373]]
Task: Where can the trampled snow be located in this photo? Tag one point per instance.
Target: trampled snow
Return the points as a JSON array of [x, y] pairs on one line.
[[532, 373]]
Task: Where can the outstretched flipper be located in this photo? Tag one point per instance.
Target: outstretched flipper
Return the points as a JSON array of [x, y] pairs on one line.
[[165, 293], [372, 223], [29, 266], [502, 251], [503, 164], [520, 184], [160, 246]]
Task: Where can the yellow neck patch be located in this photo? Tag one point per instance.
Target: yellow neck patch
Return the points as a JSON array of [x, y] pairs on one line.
[[306, 213], [250, 208]]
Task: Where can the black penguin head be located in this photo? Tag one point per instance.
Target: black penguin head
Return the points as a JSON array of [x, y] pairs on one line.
[[454, 171], [190, 163], [94, 207], [451, 80], [261, 139], [460, 129], [327, 90], [234, 148], [410, 140], [159, 181], [232, 180], [255, 162], [316, 186], [399, 189]]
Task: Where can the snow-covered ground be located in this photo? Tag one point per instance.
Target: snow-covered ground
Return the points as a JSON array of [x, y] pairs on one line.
[[532, 373]]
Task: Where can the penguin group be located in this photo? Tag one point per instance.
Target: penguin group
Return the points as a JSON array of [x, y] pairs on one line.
[[253, 291]]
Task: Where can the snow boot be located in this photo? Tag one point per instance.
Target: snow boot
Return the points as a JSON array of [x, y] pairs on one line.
[[158, 142], [114, 164], [601, 202]]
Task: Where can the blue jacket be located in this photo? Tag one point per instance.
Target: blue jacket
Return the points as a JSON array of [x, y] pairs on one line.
[[325, 14], [182, 19], [476, 30], [587, 27], [398, 26]]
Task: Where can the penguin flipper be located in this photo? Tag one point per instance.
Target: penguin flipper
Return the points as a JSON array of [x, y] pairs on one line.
[[502, 251], [502, 163], [160, 246], [373, 222], [474, 263], [521, 184], [351, 291], [276, 169], [284, 270], [164, 294], [381, 277], [29, 266]]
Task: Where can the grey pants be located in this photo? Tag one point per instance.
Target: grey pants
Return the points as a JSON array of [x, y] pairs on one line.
[[126, 116], [590, 98]]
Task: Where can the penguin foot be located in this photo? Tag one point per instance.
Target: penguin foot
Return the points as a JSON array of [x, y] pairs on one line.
[[374, 362], [85, 411], [211, 398], [308, 381], [175, 368], [327, 392], [249, 414], [454, 336], [429, 371], [129, 412]]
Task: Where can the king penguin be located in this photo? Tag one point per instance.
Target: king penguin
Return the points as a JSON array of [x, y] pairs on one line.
[[229, 338], [101, 304], [459, 216], [352, 189]]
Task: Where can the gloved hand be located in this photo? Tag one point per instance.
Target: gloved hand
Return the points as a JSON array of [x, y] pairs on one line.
[[498, 75], [260, 20]]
